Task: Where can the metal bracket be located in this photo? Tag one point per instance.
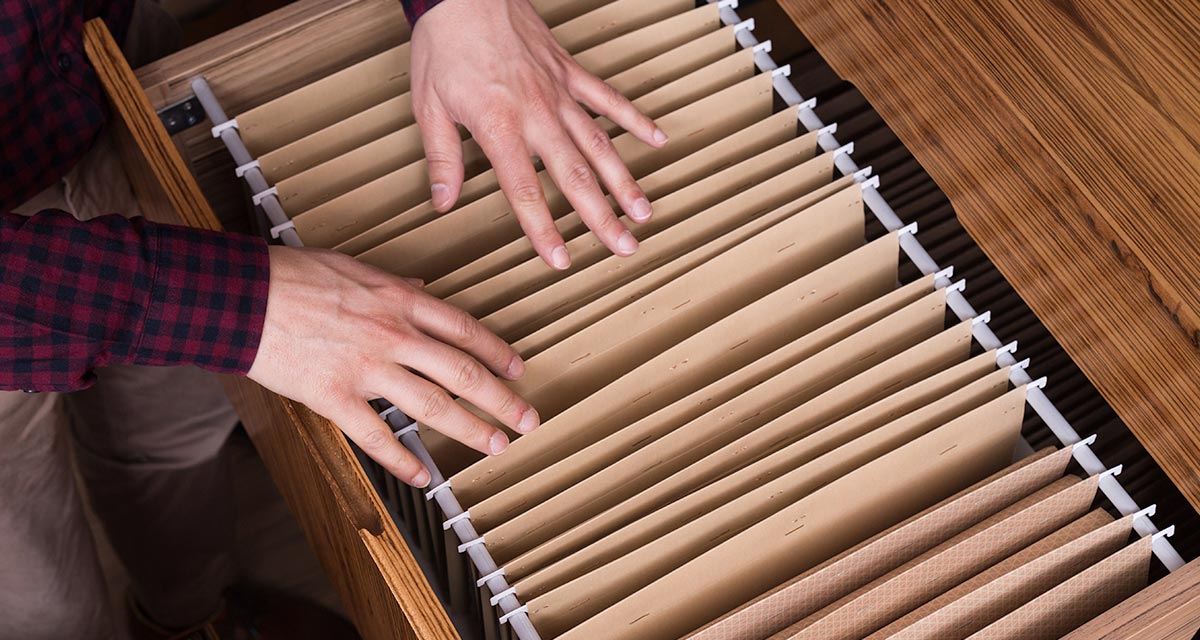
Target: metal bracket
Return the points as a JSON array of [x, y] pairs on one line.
[[182, 115]]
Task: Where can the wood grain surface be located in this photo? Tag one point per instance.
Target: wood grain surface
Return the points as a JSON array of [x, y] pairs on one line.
[[1065, 134], [1167, 610], [322, 482]]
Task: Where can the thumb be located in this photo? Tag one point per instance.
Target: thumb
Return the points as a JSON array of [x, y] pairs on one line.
[[443, 156]]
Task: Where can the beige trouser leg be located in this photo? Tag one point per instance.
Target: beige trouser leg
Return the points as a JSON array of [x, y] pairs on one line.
[[50, 581], [148, 442]]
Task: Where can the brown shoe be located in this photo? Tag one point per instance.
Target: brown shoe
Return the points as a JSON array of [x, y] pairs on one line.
[[251, 615]]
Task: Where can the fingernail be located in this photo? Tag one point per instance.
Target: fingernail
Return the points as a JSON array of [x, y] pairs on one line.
[[498, 443], [529, 421], [559, 258], [516, 368], [660, 137], [641, 210], [421, 480], [440, 194], [627, 244]]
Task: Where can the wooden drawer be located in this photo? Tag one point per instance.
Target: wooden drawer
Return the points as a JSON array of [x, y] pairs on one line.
[[376, 573]]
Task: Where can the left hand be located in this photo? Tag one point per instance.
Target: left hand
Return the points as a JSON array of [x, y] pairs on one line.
[[494, 67]]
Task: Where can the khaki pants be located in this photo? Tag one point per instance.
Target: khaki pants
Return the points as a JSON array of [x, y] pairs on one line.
[[146, 443]]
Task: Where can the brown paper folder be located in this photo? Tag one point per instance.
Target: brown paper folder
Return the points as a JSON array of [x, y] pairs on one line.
[[800, 536], [611, 56], [731, 185], [396, 113], [690, 128], [681, 441], [550, 315], [1094, 520], [376, 158], [720, 155], [941, 569], [447, 243], [355, 86], [589, 593], [615, 19], [363, 85], [705, 507], [573, 369], [1078, 599], [600, 505], [325, 102], [794, 600], [764, 339]]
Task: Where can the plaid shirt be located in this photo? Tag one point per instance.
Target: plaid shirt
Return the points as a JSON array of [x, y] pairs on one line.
[[79, 295]]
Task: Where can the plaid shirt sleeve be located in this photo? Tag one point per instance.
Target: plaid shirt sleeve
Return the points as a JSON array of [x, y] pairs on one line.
[[79, 295], [414, 9]]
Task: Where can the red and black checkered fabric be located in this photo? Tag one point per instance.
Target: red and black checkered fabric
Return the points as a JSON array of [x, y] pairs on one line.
[[414, 9], [78, 295]]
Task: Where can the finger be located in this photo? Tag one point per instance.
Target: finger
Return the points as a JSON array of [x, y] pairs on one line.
[[598, 148], [577, 182], [415, 282], [456, 327], [431, 406], [465, 377], [373, 436], [601, 98], [443, 155], [514, 170]]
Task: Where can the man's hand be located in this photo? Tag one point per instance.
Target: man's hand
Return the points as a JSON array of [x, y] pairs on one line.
[[494, 67], [339, 333]]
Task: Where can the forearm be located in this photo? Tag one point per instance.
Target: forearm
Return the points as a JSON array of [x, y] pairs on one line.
[[79, 295]]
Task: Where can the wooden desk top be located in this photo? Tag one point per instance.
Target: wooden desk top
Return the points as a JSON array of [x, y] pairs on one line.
[[1066, 136]]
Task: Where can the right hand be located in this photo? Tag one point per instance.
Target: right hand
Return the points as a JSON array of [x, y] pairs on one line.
[[339, 333]]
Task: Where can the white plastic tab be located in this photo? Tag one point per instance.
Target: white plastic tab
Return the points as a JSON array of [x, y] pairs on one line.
[[462, 548], [1115, 471], [809, 104], [1020, 366], [223, 127], [744, 25], [1165, 533], [278, 229], [495, 600], [959, 286], [1009, 348], [508, 616], [862, 174], [909, 229], [982, 318], [412, 428], [262, 195], [847, 149], [1040, 383], [785, 71], [871, 183], [1086, 442], [730, 4], [388, 411], [1147, 512], [449, 524], [429, 495], [763, 47], [484, 580], [830, 129], [241, 171]]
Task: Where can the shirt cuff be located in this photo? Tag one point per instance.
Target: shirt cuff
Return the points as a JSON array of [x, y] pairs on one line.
[[414, 9], [208, 300]]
